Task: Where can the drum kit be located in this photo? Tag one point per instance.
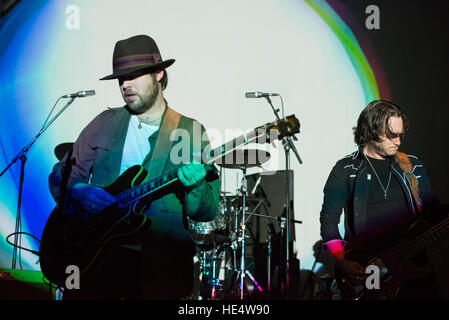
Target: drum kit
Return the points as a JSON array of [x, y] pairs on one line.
[[221, 243]]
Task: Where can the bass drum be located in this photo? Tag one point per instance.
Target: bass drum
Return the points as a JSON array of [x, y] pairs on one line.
[[215, 231]]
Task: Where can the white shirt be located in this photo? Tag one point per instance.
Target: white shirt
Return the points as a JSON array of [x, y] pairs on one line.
[[137, 145]]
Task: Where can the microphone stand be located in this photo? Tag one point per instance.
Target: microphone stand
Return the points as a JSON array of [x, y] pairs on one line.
[[288, 145], [23, 158]]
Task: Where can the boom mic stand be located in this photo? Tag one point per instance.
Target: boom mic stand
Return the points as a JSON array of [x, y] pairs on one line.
[[23, 158], [288, 145]]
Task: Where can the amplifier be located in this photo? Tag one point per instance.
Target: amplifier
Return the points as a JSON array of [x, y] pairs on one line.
[[23, 285]]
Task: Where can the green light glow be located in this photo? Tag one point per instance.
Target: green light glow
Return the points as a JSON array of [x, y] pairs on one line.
[[351, 46]]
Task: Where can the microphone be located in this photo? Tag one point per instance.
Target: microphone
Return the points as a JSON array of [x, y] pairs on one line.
[[80, 94], [259, 94]]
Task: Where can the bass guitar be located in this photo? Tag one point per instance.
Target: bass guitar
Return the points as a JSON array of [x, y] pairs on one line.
[[392, 266]]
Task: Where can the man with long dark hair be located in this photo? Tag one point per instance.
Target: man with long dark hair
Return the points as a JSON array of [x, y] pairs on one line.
[[382, 191]]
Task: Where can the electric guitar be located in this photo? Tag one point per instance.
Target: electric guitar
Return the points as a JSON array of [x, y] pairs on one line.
[[72, 236], [394, 265]]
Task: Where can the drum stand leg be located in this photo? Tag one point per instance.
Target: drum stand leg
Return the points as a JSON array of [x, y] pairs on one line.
[[209, 287], [214, 277], [242, 272]]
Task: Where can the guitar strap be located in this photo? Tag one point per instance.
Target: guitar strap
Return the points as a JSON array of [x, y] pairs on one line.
[[157, 158], [406, 165], [66, 170]]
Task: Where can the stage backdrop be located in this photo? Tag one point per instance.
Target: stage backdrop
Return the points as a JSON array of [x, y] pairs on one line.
[[302, 50]]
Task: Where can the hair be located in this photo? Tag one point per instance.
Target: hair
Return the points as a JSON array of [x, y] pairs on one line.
[[373, 122], [164, 80]]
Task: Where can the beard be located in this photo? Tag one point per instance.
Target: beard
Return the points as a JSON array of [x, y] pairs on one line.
[[384, 151], [145, 101]]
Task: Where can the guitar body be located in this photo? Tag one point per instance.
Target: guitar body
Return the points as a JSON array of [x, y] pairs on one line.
[[395, 266], [75, 237]]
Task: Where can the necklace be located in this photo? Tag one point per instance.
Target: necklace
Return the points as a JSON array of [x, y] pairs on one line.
[[378, 179]]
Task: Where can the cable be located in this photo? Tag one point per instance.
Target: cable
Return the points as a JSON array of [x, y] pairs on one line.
[[20, 247], [48, 117], [49, 283], [20, 244], [282, 106]]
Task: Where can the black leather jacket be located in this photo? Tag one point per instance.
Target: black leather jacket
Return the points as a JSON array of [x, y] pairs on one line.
[[347, 188]]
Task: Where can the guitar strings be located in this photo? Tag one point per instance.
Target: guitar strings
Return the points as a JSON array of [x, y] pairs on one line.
[[395, 254], [123, 197]]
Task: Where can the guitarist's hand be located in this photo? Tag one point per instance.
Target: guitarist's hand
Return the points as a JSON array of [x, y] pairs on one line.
[[93, 199], [192, 175], [352, 270]]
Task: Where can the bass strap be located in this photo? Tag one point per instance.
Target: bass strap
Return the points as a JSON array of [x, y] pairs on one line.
[[406, 165]]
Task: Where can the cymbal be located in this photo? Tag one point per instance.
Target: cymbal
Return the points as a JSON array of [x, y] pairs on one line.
[[62, 149], [247, 158]]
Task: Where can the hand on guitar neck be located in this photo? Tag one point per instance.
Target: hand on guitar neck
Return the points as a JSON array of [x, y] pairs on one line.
[[191, 175], [92, 198]]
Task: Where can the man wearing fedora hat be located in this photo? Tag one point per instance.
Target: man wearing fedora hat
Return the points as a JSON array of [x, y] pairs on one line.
[[161, 265]]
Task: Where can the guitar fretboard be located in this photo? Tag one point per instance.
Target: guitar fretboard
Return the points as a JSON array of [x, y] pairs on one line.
[[131, 195], [284, 127], [436, 233]]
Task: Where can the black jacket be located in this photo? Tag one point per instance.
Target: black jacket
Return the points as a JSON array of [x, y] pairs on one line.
[[347, 188]]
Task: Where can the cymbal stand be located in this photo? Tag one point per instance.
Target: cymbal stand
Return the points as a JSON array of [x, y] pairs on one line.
[[269, 262], [210, 281], [242, 271]]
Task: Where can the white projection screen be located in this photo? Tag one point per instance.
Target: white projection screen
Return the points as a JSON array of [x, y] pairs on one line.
[[300, 50]]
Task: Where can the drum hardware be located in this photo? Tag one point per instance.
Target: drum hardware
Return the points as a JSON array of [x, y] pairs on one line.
[[270, 232], [240, 237], [211, 243], [210, 282], [269, 258], [242, 159], [212, 238]]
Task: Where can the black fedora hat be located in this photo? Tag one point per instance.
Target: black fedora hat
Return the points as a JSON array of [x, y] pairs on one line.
[[134, 54]]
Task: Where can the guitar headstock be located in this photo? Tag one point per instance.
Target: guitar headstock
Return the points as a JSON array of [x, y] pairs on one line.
[[285, 127]]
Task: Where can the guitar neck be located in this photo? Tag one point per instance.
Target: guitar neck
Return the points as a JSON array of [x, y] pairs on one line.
[[284, 127], [131, 195], [431, 236], [134, 194], [253, 136]]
